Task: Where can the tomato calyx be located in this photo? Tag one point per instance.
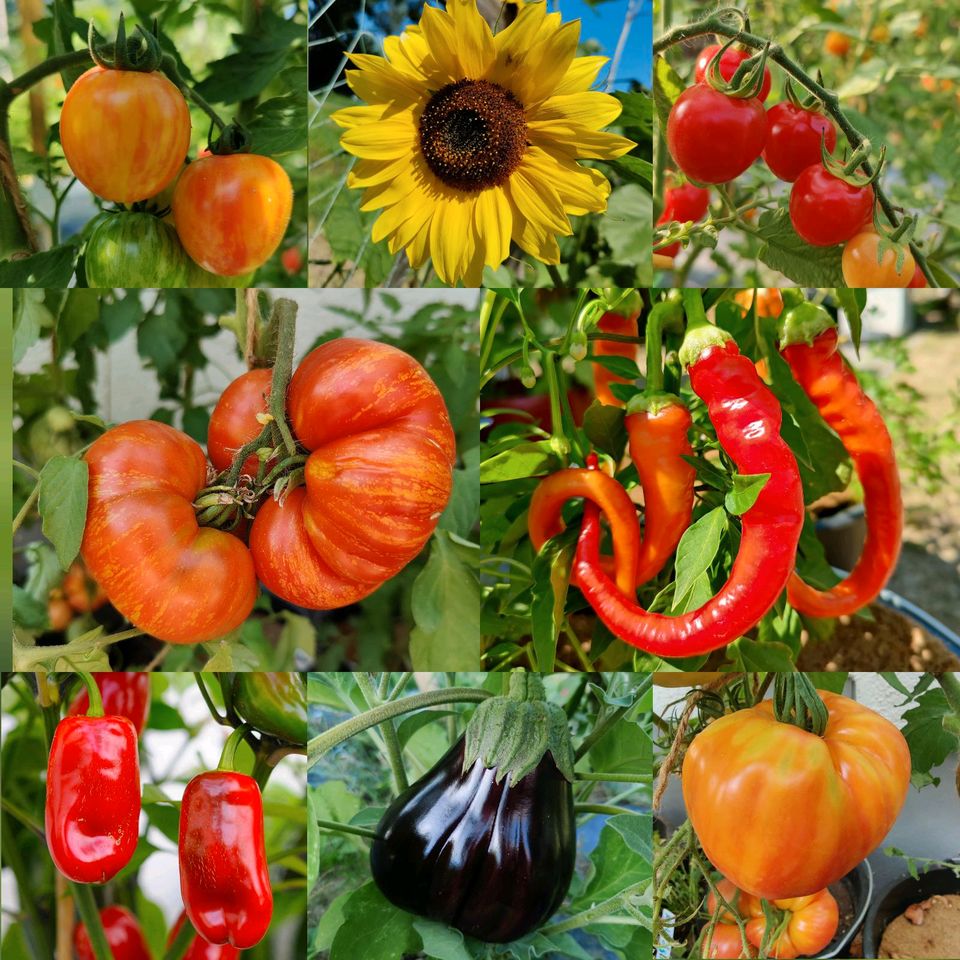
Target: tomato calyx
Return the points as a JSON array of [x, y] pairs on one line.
[[796, 701], [234, 138], [140, 53], [850, 171], [224, 507], [749, 78]]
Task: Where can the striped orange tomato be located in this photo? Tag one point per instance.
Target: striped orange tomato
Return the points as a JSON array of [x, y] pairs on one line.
[[784, 813]]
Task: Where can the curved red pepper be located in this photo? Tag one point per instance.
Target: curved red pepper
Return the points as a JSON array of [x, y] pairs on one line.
[[746, 417], [201, 949], [123, 934], [93, 797], [124, 695], [223, 865], [832, 386]]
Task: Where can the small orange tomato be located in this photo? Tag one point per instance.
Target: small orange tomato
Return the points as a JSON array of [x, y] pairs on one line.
[[837, 43], [59, 612], [769, 301], [723, 940], [82, 591], [864, 266], [812, 924], [125, 134], [231, 211]]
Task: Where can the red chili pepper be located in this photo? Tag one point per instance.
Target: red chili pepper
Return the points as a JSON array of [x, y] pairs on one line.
[[123, 934], [223, 866], [819, 368], [602, 377], [658, 443], [746, 417], [93, 797], [545, 520], [201, 949], [124, 695]]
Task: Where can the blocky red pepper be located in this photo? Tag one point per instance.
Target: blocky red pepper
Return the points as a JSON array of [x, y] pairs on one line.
[[124, 695], [93, 797], [201, 949], [123, 934], [223, 865]]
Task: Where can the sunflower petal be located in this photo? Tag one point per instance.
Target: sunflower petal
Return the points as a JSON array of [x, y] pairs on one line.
[[581, 190], [571, 140], [385, 140], [441, 37], [580, 75], [536, 199], [549, 61], [494, 223], [589, 109], [378, 81], [474, 39]]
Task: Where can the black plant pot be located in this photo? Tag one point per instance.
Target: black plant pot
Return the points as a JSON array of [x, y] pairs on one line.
[[853, 894], [899, 895]]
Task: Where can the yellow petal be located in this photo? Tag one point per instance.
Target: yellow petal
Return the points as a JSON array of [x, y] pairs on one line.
[[580, 75], [474, 39], [418, 249], [571, 140], [581, 189], [549, 62], [368, 173], [390, 192], [380, 141], [513, 45], [440, 34], [494, 223], [590, 109], [377, 81], [537, 200]]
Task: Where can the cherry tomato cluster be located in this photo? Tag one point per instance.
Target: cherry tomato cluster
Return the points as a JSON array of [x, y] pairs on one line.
[[126, 134], [715, 136], [78, 593]]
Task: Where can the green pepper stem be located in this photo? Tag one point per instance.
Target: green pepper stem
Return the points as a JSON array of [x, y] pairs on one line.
[[96, 701], [796, 701], [228, 758]]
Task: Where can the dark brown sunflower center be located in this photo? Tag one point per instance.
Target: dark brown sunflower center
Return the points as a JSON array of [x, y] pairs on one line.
[[473, 134]]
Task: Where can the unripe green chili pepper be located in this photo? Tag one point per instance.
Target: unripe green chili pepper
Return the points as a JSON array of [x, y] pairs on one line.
[[273, 703]]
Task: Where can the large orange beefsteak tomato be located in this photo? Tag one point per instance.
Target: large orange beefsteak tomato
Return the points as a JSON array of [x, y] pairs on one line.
[[377, 479], [125, 134], [231, 212], [783, 812], [170, 577]]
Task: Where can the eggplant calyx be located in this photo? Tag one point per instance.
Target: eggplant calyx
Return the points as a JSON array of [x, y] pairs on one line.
[[513, 734]]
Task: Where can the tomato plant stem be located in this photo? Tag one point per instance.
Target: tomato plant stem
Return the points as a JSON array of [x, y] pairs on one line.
[[390, 738]]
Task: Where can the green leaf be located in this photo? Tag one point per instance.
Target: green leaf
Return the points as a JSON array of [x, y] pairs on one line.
[[440, 941], [523, 460], [551, 574], [279, 124], [783, 249], [621, 858], [30, 316], [63, 505], [751, 656], [929, 743], [445, 603], [744, 494], [696, 551], [373, 928], [604, 426], [52, 268], [834, 682]]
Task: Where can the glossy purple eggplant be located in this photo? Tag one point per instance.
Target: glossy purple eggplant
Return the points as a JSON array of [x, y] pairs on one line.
[[493, 860]]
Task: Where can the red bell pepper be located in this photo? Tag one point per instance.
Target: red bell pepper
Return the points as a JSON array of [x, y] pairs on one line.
[[124, 695], [93, 797], [123, 934], [201, 949], [223, 866]]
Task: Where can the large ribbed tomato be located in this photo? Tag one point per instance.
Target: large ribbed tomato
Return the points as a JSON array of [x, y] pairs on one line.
[[231, 212], [234, 422], [377, 479], [169, 577], [784, 813], [124, 133]]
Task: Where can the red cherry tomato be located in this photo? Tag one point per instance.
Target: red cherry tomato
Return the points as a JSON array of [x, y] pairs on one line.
[[686, 202], [231, 212], [234, 422], [826, 210], [918, 279], [125, 134], [793, 139], [712, 137], [864, 266], [729, 62], [292, 260]]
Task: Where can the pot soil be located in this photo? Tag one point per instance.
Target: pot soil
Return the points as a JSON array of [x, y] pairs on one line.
[[929, 929], [890, 641]]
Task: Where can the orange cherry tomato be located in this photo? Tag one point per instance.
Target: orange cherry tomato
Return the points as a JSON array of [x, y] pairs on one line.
[[231, 212], [82, 592], [125, 134], [769, 301], [724, 942], [813, 922], [864, 266], [837, 43], [59, 612]]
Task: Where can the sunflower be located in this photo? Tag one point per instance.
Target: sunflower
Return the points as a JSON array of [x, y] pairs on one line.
[[470, 141]]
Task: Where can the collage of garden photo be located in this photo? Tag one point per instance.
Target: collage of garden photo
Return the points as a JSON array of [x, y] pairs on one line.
[[483, 480]]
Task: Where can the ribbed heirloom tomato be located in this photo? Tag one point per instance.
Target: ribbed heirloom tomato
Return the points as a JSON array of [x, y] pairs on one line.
[[125, 134], [170, 577], [826, 210], [712, 137], [783, 812], [234, 422], [377, 479], [731, 59], [231, 211], [794, 139]]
